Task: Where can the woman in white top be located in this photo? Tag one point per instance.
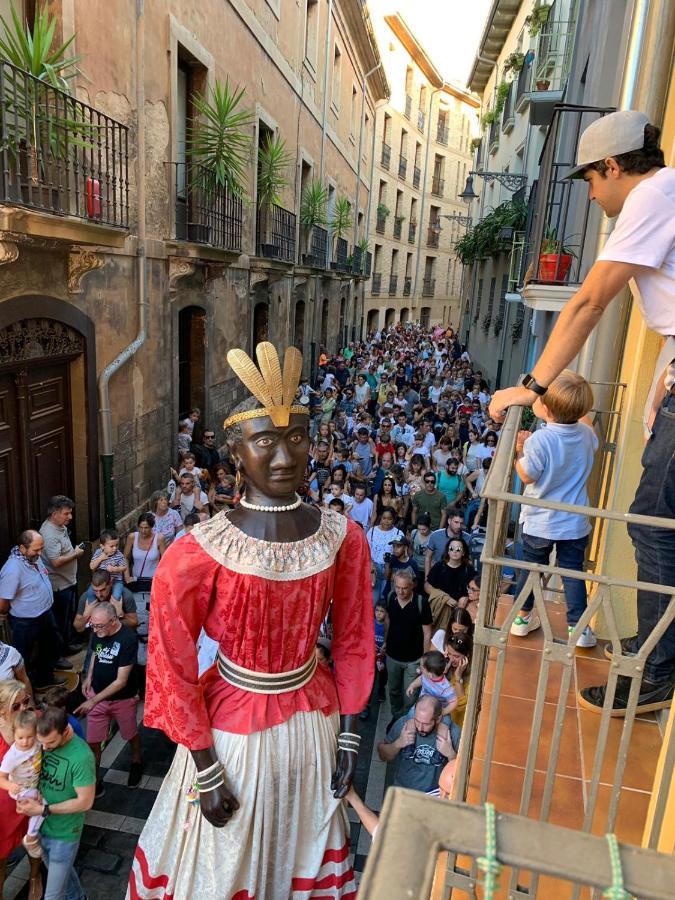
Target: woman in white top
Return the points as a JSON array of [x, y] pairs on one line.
[[12, 666], [144, 548], [379, 540]]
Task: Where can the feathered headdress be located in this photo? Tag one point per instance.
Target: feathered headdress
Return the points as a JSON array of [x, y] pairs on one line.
[[274, 390]]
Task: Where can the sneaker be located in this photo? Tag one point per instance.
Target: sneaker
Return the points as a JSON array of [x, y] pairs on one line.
[[586, 639], [653, 696], [523, 625], [629, 647], [63, 664], [135, 774], [100, 788]]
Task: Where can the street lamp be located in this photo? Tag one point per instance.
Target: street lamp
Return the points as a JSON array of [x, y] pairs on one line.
[[510, 180], [468, 194]]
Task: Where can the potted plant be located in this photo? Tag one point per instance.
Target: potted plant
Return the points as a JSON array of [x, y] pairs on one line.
[[273, 163], [517, 330], [543, 84], [497, 325], [485, 324], [218, 143], [555, 260], [36, 123], [382, 211], [340, 225], [513, 63], [475, 144], [312, 214], [537, 18], [488, 119]]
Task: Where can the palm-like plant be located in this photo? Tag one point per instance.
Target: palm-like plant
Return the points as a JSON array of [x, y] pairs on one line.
[[32, 50], [342, 218], [313, 205], [273, 164], [218, 138]]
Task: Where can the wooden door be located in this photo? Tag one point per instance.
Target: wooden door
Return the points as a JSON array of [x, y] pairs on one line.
[[35, 446]]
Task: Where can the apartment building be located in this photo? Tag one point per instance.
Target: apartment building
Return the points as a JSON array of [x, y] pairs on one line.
[[127, 272], [421, 156]]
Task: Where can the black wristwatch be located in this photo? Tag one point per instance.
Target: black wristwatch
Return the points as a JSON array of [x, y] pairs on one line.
[[529, 383], [45, 810]]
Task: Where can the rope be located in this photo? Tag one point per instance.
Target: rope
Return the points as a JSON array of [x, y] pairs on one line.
[[617, 890], [489, 864]]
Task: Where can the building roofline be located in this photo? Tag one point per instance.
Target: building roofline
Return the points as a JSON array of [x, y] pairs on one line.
[[422, 59], [361, 28], [497, 27]]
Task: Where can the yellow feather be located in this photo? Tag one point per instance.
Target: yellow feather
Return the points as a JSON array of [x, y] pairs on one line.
[[292, 373], [268, 360], [248, 373]]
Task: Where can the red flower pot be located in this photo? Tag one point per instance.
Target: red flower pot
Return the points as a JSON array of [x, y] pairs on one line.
[[554, 266]]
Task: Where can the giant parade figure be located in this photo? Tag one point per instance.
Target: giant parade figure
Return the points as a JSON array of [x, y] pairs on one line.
[[252, 808]]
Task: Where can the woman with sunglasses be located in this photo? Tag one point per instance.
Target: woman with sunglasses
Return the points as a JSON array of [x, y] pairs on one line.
[[14, 698], [448, 582]]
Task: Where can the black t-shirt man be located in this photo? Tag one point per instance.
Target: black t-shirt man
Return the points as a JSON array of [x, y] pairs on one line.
[[110, 654], [405, 637]]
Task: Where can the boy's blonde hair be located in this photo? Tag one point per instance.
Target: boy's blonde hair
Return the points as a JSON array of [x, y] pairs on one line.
[[568, 398], [26, 719]]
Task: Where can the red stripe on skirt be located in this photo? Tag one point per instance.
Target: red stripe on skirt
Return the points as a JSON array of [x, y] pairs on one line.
[[308, 884], [149, 881], [336, 856]]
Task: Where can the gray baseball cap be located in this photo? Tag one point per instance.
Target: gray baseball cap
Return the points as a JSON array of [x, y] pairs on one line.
[[614, 134]]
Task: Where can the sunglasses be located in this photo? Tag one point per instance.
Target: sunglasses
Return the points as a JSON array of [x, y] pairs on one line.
[[456, 549], [22, 704]]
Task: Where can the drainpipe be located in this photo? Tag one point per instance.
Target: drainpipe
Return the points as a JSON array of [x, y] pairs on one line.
[[644, 86], [105, 415], [324, 126], [378, 105], [424, 192]]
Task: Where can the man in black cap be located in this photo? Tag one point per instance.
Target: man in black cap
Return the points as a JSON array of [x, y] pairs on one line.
[[398, 560]]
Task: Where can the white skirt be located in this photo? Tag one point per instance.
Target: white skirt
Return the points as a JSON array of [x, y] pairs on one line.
[[288, 838]]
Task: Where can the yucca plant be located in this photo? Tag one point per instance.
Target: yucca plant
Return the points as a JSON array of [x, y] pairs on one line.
[[273, 163], [313, 205], [36, 118], [341, 221], [219, 138]]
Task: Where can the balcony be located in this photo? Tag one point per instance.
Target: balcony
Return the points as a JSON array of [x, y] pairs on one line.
[[398, 226], [437, 186], [551, 67], [433, 234], [412, 229], [558, 225], [421, 120], [442, 134], [381, 223], [508, 113], [318, 248], [516, 259], [369, 263], [493, 137], [393, 283], [428, 287], [416, 176], [59, 155], [386, 156], [407, 286], [408, 106], [402, 167], [275, 233], [357, 261], [523, 85], [205, 213], [376, 284], [341, 255]]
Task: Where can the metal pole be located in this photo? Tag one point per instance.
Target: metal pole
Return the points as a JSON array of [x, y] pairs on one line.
[[424, 192]]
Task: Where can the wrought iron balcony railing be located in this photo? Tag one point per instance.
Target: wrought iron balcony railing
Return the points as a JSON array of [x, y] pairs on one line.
[[398, 225], [393, 283], [376, 283], [407, 286], [508, 113], [205, 212], [381, 223], [437, 186], [275, 233], [369, 263], [417, 174], [386, 156], [553, 55], [442, 135], [428, 287], [341, 255], [402, 167], [493, 137], [318, 248], [523, 85], [433, 235], [60, 155], [412, 229], [358, 261]]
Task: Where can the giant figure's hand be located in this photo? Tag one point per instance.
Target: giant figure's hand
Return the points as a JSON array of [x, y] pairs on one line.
[[218, 806], [345, 763]]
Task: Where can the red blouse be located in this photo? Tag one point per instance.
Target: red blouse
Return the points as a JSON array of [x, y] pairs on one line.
[[264, 603]]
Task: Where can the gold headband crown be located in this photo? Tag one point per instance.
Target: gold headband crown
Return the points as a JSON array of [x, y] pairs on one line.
[[273, 390]]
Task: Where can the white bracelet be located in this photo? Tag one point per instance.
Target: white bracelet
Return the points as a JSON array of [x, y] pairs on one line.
[[207, 790], [348, 749], [211, 768]]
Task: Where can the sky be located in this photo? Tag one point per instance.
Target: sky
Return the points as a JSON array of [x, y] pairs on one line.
[[449, 30]]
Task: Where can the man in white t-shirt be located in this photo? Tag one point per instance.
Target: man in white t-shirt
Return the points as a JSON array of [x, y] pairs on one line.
[[619, 158]]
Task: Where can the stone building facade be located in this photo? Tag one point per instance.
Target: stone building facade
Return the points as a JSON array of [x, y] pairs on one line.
[[121, 287], [421, 157]]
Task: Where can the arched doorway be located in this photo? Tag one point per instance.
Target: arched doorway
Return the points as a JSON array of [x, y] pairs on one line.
[[389, 317], [425, 316], [299, 325], [48, 426], [260, 323], [405, 314], [191, 359], [323, 339], [373, 318]]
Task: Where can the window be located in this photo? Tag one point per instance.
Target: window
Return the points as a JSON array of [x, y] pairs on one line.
[[311, 31], [409, 81], [352, 113], [337, 77]]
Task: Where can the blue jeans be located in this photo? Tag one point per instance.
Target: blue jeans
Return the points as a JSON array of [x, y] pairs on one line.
[[62, 880], [39, 642], [570, 555], [655, 547]]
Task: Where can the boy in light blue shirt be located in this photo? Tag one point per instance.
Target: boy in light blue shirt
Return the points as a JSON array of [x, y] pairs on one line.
[[554, 463]]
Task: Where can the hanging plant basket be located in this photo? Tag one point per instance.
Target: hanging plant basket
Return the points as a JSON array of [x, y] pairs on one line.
[[498, 325], [517, 330], [485, 324]]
